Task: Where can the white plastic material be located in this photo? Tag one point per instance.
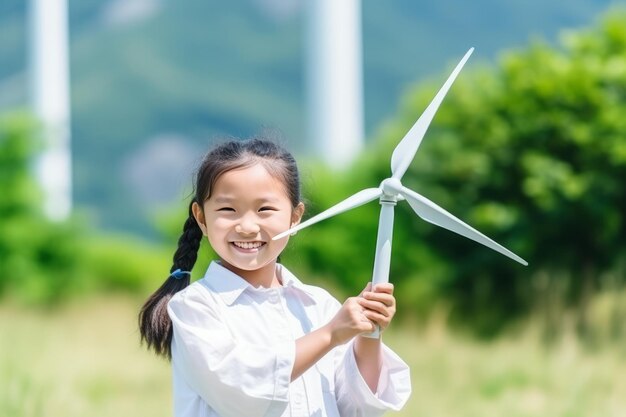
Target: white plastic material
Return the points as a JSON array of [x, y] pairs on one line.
[[356, 200], [391, 191], [434, 214], [382, 260], [406, 149]]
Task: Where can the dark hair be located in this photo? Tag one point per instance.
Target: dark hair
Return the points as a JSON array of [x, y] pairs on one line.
[[155, 324]]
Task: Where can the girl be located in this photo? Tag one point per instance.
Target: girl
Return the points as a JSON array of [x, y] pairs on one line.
[[250, 339]]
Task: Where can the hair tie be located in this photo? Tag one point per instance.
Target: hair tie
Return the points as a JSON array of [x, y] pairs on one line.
[[179, 274]]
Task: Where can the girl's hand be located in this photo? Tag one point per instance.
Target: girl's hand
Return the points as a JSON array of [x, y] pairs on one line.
[[350, 321], [379, 304]]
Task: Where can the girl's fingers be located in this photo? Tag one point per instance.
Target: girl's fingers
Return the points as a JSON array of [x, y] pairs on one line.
[[377, 318], [370, 327], [375, 306], [364, 323], [386, 299], [378, 304], [384, 287], [372, 305]]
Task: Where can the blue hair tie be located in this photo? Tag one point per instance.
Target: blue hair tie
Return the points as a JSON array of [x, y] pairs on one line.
[[179, 274]]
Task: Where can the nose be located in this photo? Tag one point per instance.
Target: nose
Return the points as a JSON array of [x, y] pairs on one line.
[[247, 226]]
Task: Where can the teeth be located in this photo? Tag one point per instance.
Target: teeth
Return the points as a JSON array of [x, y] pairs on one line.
[[248, 245]]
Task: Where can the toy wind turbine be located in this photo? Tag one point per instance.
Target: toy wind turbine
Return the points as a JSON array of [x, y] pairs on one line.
[[391, 190]]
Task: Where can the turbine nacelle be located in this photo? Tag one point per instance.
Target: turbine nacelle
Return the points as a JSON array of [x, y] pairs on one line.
[[391, 187]]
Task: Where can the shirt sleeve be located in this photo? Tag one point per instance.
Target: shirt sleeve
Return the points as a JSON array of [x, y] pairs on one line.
[[233, 377], [354, 397]]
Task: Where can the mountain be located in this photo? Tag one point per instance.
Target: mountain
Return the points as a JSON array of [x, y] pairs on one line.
[[155, 81]]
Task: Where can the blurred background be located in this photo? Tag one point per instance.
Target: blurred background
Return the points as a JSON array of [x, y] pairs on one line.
[[107, 107]]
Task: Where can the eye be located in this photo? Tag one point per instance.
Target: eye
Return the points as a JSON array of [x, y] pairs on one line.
[[268, 208], [226, 209]]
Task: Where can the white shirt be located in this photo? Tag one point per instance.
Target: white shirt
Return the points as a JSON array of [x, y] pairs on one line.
[[233, 352]]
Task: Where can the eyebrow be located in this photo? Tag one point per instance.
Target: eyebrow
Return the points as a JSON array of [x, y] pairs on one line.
[[224, 200], [230, 200]]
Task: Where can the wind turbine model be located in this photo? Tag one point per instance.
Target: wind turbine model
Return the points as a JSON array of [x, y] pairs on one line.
[[391, 190]]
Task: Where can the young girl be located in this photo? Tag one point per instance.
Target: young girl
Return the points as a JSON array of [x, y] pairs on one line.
[[250, 339]]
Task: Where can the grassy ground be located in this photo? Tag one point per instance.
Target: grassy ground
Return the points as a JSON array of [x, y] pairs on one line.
[[81, 361], [84, 360]]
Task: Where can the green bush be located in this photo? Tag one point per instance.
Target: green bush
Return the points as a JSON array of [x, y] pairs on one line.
[[531, 152], [39, 259], [124, 263], [44, 262]]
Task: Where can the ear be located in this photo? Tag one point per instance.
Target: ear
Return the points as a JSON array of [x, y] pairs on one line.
[[296, 214], [198, 214]]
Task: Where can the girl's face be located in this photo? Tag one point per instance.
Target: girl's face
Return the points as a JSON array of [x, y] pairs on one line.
[[246, 209]]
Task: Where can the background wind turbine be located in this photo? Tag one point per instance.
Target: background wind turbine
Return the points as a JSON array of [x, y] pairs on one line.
[[50, 85], [391, 190], [334, 79]]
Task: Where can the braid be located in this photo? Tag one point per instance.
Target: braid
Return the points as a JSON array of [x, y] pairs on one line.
[[188, 245], [155, 324]]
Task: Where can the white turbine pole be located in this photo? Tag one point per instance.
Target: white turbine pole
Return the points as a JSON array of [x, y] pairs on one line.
[[334, 79], [49, 82]]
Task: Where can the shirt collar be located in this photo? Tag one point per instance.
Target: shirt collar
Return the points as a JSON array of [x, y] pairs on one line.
[[230, 285], [289, 280]]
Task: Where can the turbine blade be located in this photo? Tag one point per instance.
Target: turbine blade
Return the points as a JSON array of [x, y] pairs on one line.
[[405, 151], [356, 200], [434, 214]]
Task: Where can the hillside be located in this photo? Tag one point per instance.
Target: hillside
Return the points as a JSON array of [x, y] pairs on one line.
[[153, 80]]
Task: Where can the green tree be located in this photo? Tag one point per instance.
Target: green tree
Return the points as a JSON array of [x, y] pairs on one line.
[[44, 262], [38, 258], [532, 152]]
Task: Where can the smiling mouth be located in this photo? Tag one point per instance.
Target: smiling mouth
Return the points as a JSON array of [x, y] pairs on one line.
[[248, 246]]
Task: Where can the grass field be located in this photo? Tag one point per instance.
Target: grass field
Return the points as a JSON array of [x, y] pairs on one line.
[[84, 360]]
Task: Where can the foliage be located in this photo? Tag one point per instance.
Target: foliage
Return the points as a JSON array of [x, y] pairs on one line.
[[38, 258], [531, 152], [45, 262], [123, 263]]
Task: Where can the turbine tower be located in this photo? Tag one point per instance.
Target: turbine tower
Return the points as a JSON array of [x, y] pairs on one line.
[[49, 84], [334, 79]]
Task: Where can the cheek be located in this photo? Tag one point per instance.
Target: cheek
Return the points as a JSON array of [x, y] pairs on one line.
[[279, 246], [217, 229], [219, 224], [273, 221], [287, 218]]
